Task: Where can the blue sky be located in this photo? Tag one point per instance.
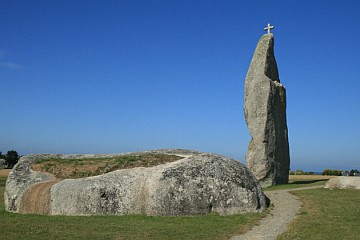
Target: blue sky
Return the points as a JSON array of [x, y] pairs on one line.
[[118, 76]]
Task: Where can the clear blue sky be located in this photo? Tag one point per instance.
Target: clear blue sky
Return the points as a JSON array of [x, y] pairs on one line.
[[117, 76]]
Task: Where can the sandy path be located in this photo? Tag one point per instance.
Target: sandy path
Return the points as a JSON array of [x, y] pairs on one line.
[[285, 208]]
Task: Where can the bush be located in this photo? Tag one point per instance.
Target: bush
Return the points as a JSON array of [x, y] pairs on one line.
[[354, 172], [330, 172], [300, 172], [11, 158]]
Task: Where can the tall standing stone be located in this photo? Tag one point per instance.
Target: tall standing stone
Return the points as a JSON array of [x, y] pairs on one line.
[[265, 114]]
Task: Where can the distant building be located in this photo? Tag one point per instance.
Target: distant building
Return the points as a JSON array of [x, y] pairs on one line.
[[345, 173]]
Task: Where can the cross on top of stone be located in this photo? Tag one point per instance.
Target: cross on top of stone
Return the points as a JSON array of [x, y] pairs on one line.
[[268, 28]]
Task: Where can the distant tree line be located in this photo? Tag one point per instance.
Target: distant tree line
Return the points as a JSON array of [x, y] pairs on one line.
[[331, 172], [11, 158], [328, 172], [301, 172], [354, 172]]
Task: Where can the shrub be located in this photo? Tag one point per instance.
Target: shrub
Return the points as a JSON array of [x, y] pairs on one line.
[[330, 172], [11, 158]]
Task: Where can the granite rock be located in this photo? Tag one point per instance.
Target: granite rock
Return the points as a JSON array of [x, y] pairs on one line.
[[199, 183], [265, 114], [343, 183]]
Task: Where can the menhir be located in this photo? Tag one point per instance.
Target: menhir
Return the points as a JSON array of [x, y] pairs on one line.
[[265, 114]]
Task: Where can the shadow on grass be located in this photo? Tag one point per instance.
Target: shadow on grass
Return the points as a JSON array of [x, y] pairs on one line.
[[309, 181], [298, 184]]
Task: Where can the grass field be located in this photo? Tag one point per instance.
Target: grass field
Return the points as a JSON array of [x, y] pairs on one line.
[[326, 214], [30, 226]]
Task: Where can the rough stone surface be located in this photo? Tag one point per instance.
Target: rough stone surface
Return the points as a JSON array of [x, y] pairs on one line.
[[2, 163], [343, 183], [199, 183], [265, 114]]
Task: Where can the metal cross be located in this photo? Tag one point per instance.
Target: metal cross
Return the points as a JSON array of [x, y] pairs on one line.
[[268, 27]]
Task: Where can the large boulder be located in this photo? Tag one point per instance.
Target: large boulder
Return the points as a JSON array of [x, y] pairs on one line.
[[343, 183], [265, 114], [199, 183]]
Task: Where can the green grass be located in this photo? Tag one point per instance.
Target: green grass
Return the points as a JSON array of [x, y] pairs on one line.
[[2, 186], [30, 226], [326, 214]]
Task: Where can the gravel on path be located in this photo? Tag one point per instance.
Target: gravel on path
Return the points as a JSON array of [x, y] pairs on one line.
[[285, 207]]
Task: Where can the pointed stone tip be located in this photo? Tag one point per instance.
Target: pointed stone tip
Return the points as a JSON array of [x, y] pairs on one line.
[[265, 43], [264, 58], [266, 40], [268, 35]]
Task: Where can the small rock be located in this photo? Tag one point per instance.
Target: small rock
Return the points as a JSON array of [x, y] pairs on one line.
[[343, 183]]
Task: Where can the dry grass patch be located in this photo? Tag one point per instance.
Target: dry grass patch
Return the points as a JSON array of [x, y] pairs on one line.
[[4, 172], [78, 168]]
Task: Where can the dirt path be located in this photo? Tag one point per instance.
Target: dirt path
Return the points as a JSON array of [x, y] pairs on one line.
[[285, 208]]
